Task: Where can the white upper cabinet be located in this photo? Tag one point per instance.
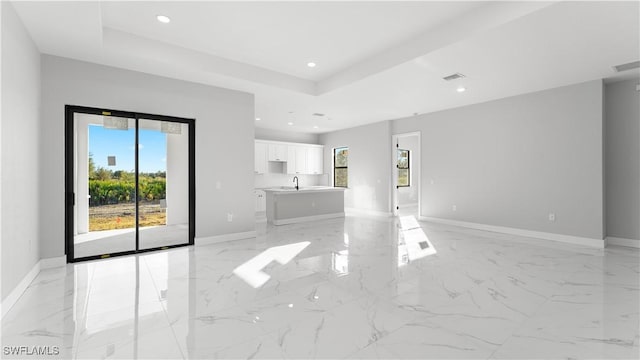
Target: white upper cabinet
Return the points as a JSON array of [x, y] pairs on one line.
[[297, 159], [260, 159], [277, 152], [315, 160]]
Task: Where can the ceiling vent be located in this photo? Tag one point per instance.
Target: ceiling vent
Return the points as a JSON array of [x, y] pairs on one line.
[[317, 114], [627, 66], [453, 77]]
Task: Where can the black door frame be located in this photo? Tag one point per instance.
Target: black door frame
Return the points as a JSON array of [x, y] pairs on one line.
[[69, 180]]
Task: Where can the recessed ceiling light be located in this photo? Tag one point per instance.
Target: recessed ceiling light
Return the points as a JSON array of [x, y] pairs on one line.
[[461, 89], [163, 19], [257, 119], [315, 126], [311, 64], [289, 123]]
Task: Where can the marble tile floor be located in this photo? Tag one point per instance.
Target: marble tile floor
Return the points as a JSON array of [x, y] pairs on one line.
[[355, 288]]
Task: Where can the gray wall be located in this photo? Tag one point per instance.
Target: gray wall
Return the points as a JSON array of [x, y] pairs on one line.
[[622, 159], [409, 195], [224, 120], [277, 135], [512, 161], [19, 149], [369, 165]]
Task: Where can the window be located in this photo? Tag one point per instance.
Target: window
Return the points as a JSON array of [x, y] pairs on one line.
[[340, 167], [403, 168]]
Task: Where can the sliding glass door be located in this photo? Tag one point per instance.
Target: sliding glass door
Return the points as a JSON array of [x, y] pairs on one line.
[[129, 182], [163, 178]]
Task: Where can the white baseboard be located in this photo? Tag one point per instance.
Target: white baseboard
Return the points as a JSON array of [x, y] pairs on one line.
[[597, 243], [634, 243], [307, 218], [225, 237], [15, 294], [42, 264], [355, 211], [51, 263]]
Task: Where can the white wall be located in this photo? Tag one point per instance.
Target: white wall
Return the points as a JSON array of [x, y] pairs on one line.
[[275, 179], [369, 165], [224, 139], [20, 151], [409, 195], [622, 159], [286, 136], [512, 161]]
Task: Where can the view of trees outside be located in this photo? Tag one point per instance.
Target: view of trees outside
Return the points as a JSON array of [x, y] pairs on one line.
[[403, 167], [341, 164], [113, 195]]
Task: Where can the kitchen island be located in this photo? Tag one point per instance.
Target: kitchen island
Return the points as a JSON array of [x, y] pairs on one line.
[[286, 205]]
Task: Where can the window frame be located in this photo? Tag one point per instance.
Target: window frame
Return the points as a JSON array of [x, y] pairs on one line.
[[335, 152], [408, 168]]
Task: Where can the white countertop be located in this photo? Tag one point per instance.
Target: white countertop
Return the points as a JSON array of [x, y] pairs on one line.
[[303, 189]]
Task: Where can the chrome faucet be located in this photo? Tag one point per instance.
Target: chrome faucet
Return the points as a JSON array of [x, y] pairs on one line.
[[295, 180]]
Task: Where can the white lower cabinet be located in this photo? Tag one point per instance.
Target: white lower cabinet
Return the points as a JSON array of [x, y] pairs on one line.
[[261, 200]]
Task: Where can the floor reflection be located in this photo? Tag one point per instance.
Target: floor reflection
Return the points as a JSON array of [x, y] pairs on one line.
[[251, 271], [413, 243]]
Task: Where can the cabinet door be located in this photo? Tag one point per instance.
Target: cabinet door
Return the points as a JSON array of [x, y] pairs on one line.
[[260, 160], [315, 160], [277, 152], [291, 159], [301, 160], [261, 201]]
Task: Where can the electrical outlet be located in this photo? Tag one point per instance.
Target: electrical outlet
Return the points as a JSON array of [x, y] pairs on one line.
[[218, 185], [552, 217], [454, 208], [432, 182], [313, 204], [229, 217]]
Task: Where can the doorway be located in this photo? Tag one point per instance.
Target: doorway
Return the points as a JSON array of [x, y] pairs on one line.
[[406, 172], [129, 182]]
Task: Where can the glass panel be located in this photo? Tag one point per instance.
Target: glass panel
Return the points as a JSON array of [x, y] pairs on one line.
[[403, 177], [163, 166], [403, 167], [403, 159], [104, 185], [342, 178], [342, 157]]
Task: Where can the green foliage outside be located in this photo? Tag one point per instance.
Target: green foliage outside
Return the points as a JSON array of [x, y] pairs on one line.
[[341, 163], [108, 187], [114, 191], [403, 167]]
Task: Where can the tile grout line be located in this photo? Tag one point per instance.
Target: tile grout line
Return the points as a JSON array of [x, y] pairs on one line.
[[164, 310]]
